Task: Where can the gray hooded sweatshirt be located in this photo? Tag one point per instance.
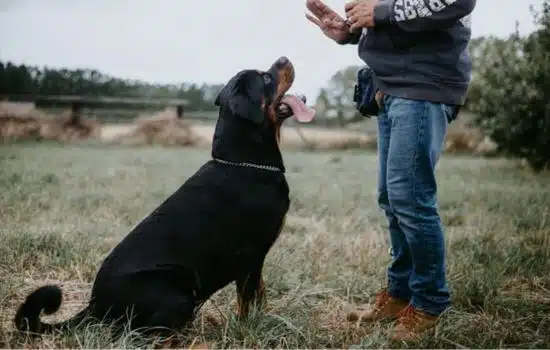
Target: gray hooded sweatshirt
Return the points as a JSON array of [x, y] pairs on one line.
[[418, 49]]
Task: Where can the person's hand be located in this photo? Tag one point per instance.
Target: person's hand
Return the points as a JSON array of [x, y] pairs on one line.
[[379, 97], [331, 23], [360, 13]]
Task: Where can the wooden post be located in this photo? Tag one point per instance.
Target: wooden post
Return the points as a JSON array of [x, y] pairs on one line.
[[179, 111], [76, 108]]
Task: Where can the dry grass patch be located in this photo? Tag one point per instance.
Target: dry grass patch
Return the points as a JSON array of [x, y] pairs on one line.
[[310, 138], [67, 207], [319, 139], [468, 140]]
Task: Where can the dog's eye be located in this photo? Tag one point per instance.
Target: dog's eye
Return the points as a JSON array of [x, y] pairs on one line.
[[267, 79]]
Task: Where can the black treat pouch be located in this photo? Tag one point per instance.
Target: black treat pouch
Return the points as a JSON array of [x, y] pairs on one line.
[[364, 94]]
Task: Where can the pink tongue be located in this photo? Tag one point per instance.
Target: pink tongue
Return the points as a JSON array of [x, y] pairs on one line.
[[301, 112]]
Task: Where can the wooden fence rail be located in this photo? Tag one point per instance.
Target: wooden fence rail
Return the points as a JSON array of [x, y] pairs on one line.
[[79, 103]]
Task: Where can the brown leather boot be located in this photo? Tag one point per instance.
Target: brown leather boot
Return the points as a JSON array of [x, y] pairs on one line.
[[411, 324], [385, 307]]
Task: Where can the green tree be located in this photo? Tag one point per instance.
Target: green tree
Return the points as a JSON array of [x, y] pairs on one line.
[[510, 93], [336, 99]]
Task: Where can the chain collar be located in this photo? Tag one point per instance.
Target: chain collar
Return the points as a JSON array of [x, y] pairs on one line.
[[249, 165]]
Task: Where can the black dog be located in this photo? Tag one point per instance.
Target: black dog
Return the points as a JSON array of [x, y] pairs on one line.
[[215, 229]]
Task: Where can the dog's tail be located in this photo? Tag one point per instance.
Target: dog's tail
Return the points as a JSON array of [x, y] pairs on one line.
[[47, 299]]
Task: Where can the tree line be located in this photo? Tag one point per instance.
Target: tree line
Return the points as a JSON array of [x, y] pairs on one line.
[[23, 81]]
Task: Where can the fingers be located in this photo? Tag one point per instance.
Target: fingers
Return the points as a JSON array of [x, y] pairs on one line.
[[314, 20], [338, 24], [354, 26], [353, 19], [357, 21], [353, 11], [350, 5], [324, 17], [318, 8], [359, 16], [360, 22], [334, 24]]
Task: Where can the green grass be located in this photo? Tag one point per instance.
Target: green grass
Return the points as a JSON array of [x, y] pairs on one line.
[[63, 209]]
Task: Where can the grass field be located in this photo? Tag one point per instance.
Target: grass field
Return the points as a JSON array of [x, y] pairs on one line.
[[63, 208]]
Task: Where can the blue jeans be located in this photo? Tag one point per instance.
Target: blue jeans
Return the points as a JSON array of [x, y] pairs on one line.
[[410, 140]]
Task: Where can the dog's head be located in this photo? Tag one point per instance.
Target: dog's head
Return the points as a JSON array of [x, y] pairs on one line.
[[259, 96], [253, 106]]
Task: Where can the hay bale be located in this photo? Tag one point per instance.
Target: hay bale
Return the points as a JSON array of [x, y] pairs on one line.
[[14, 127], [163, 128], [33, 124], [16, 123], [70, 128]]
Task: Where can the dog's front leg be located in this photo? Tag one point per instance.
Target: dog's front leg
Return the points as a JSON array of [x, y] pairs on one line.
[[250, 291]]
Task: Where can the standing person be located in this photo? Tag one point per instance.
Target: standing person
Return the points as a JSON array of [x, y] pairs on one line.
[[418, 53]]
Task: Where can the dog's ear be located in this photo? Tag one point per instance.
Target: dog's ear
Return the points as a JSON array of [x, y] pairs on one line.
[[221, 96], [243, 96]]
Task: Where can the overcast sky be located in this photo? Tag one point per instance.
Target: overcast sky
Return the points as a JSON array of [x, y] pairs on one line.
[[171, 41]]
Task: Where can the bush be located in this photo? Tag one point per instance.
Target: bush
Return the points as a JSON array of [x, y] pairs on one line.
[[510, 93]]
